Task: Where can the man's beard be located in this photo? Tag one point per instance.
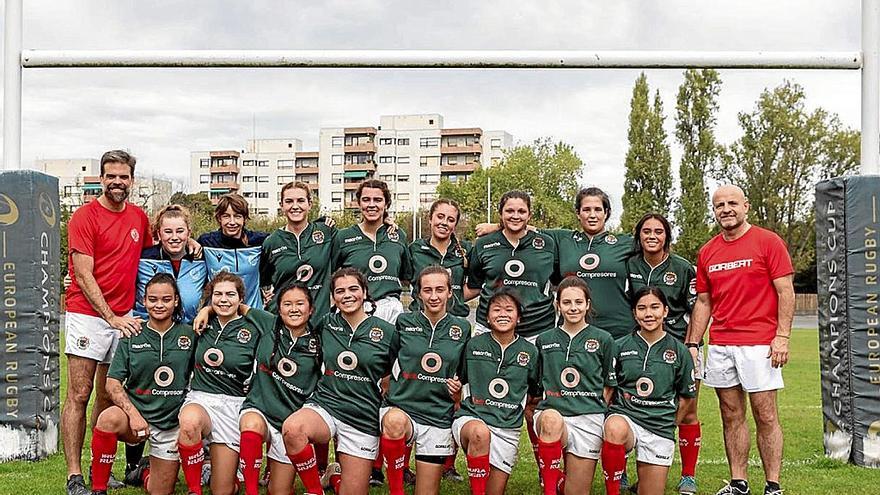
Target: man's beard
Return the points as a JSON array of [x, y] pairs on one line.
[[118, 195]]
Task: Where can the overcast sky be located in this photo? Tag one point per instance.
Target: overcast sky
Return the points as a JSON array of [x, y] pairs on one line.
[[161, 115]]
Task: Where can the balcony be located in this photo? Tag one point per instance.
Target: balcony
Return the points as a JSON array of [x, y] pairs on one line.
[[229, 186], [360, 167], [370, 131], [306, 154], [462, 150], [458, 168], [306, 170], [224, 154], [224, 169], [352, 186], [464, 131], [361, 148]]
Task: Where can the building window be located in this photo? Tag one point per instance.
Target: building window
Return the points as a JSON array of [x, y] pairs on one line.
[[427, 197], [336, 197], [336, 179], [336, 141], [386, 141], [203, 163], [403, 196], [423, 161], [337, 159], [403, 160], [285, 163], [263, 194], [387, 178], [247, 194], [263, 178], [284, 179], [248, 178], [386, 159], [248, 163], [403, 178], [495, 144], [452, 160], [429, 142], [263, 163], [204, 179], [429, 179], [403, 141]]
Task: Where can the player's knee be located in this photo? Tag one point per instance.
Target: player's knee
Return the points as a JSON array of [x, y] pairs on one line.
[[251, 422], [394, 423], [479, 438], [112, 419], [190, 425], [79, 392], [550, 425], [293, 433], [616, 430]]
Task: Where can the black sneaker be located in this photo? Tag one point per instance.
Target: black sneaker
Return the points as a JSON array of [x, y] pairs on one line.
[[135, 477], [409, 477], [76, 485], [452, 475], [772, 490], [112, 483], [377, 478]]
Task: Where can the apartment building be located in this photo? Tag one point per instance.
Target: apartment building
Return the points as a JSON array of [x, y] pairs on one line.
[[79, 182]]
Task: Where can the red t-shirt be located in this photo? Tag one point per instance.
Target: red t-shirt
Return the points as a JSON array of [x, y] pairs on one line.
[[114, 240], [738, 275]]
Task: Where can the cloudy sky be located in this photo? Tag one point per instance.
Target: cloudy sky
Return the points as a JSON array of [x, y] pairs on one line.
[[161, 115]]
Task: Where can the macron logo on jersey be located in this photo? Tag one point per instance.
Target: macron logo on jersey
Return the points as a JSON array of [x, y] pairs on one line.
[[353, 239], [492, 245], [730, 265]]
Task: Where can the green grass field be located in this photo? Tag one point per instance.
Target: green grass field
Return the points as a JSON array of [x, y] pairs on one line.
[[805, 470]]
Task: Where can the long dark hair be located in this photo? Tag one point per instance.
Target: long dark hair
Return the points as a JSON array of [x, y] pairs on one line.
[[648, 290], [637, 241], [350, 271], [505, 293], [375, 184], [279, 329], [167, 278]]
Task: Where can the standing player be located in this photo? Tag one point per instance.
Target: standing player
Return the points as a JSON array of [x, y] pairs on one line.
[[501, 373], [577, 377], [744, 282], [223, 370], [379, 253], [288, 367], [420, 399], [147, 382], [106, 237], [654, 265], [653, 372], [233, 248], [357, 352], [173, 255]]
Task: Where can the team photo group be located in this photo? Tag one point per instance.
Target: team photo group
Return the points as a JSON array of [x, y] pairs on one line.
[[295, 344]]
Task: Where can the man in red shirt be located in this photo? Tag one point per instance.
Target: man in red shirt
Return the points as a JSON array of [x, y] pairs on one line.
[[105, 240], [744, 282]]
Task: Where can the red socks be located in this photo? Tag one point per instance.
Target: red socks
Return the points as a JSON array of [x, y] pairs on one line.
[[322, 455], [613, 465], [377, 464], [550, 464], [103, 455], [394, 453], [307, 467], [689, 446], [450, 462], [191, 459], [533, 441], [250, 459], [478, 472]]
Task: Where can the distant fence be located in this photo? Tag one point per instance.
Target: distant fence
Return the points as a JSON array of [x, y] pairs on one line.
[[805, 304]]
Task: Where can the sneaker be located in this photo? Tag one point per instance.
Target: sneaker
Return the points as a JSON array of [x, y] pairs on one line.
[[135, 477], [452, 475], [333, 469], [687, 485], [76, 485], [112, 483], [409, 477], [377, 478], [728, 489], [772, 491], [206, 474], [624, 482]]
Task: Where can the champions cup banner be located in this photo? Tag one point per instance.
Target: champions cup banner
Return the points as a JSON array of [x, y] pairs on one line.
[[847, 237], [29, 270]]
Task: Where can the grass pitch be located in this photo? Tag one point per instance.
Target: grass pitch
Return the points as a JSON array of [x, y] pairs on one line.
[[805, 470]]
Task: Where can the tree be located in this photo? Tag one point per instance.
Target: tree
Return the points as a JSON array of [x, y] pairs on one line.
[[696, 107], [648, 182], [547, 171], [783, 151]]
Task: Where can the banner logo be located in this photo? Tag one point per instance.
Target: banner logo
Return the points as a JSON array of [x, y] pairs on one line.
[[8, 210], [47, 209]]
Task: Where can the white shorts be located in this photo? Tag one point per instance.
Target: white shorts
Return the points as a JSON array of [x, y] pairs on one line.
[[650, 448], [275, 442], [388, 309], [428, 440], [90, 337], [503, 444], [745, 365], [585, 433], [349, 440], [223, 411], [163, 444], [480, 329]]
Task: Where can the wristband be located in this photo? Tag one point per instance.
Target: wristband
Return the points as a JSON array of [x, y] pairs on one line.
[[691, 345]]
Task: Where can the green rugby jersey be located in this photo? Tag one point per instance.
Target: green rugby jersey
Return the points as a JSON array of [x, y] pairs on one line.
[[155, 370], [650, 379], [499, 380], [288, 369], [677, 279], [428, 356], [225, 354], [575, 371], [601, 262], [305, 259], [354, 363], [422, 255], [384, 262], [527, 268]]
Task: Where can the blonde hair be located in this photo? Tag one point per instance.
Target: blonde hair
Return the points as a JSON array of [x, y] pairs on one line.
[[172, 211]]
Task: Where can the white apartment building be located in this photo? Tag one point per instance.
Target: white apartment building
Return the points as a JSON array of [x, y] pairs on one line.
[[79, 182]]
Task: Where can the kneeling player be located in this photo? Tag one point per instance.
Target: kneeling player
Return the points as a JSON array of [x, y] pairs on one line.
[[654, 370], [357, 352], [421, 398], [288, 367], [577, 376], [147, 381], [501, 372]]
